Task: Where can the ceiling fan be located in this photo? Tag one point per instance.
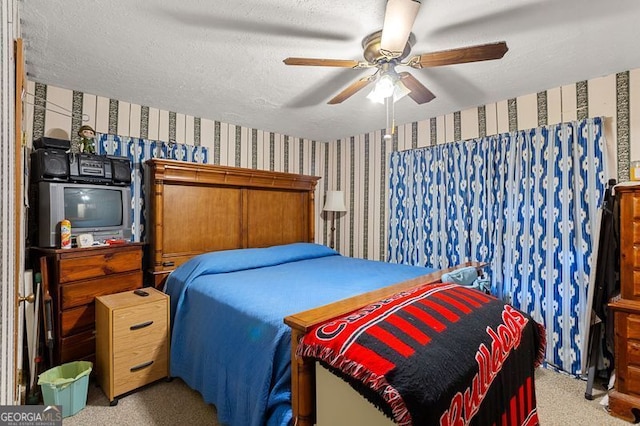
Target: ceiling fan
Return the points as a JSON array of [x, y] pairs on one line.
[[386, 49]]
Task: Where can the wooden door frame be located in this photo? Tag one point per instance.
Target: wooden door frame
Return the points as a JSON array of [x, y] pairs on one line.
[[19, 243]]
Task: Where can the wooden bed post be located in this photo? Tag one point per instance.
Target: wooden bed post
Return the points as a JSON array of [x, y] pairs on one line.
[[312, 215], [303, 385]]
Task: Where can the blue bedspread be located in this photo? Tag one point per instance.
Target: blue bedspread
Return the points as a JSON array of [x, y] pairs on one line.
[[229, 341]]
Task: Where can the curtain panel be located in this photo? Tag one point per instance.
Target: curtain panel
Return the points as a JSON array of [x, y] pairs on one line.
[[525, 202], [138, 151]]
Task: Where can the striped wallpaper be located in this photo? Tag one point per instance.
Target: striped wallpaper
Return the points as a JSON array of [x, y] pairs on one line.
[[356, 164], [229, 145]]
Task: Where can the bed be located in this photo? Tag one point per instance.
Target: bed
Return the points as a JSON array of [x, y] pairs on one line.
[[241, 312]]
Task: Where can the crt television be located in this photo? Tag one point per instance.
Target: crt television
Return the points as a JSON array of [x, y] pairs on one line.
[[103, 211]]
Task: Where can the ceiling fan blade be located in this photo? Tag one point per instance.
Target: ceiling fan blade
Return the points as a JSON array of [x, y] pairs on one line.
[[419, 93], [398, 21], [344, 63], [482, 52], [351, 90]]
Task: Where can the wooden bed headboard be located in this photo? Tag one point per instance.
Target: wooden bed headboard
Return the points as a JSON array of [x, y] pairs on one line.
[[198, 208]]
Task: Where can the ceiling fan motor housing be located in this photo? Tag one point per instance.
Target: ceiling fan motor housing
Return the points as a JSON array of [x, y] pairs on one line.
[[373, 54]]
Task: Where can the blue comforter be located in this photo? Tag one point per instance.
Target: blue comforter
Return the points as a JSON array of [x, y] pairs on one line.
[[229, 341]]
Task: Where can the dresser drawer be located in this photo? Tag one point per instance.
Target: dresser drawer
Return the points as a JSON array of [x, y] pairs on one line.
[[633, 352], [634, 199], [635, 259], [633, 379], [85, 292], [78, 346], [99, 265], [77, 319], [632, 327], [627, 346]]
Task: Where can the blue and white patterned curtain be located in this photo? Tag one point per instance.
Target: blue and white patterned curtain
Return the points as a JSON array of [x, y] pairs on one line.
[[138, 151], [527, 203]]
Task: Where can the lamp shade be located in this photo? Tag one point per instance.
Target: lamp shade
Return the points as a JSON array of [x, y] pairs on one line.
[[334, 202]]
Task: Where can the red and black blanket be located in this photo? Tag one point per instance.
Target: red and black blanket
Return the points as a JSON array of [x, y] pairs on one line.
[[438, 354]]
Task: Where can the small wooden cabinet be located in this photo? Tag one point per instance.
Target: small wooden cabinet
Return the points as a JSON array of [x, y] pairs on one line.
[[75, 278], [132, 341], [624, 400]]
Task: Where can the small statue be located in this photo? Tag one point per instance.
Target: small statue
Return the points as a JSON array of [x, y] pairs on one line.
[[87, 139]]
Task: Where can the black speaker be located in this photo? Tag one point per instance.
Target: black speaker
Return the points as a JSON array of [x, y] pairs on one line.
[[120, 171], [52, 143], [49, 164]]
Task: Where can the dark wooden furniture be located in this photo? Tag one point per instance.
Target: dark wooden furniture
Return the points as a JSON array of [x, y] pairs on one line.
[[624, 400], [198, 208], [132, 341], [76, 277]]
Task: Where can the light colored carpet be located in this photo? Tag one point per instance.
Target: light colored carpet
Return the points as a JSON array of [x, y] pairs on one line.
[[160, 403], [561, 402]]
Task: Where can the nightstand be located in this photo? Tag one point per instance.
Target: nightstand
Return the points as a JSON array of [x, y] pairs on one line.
[[132, 341]]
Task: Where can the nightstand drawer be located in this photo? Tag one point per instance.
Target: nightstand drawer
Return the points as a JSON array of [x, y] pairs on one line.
[[99, 265], [85, 292], [136, 367], [143, 326]]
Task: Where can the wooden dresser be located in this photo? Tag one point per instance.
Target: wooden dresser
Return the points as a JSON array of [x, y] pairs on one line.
[[76, 277], [625, 398], [132, 340]]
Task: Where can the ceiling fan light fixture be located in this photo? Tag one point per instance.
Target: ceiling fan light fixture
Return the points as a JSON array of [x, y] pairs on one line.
[[384, 88], [375, 96], [388, 86], [400, 91], [398, 21]]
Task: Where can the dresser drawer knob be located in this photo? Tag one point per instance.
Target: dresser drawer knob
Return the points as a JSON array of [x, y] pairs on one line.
[[141, 366], [141, 325]]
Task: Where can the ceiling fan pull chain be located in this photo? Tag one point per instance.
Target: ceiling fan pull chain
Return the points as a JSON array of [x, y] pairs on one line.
[[393, 115], [388, 103]]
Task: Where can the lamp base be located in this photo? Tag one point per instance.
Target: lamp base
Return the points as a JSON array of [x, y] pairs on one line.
[[333, 230]]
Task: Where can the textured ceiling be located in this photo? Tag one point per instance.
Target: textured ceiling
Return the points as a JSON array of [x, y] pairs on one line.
[[222, 60]]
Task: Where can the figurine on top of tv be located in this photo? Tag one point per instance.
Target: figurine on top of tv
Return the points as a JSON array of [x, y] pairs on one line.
[[87, 139]]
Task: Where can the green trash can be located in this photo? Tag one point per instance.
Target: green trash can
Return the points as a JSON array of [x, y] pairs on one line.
[[66, 385]]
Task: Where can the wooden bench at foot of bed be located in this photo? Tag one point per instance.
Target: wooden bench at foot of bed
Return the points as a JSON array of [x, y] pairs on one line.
[[303, 381]]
